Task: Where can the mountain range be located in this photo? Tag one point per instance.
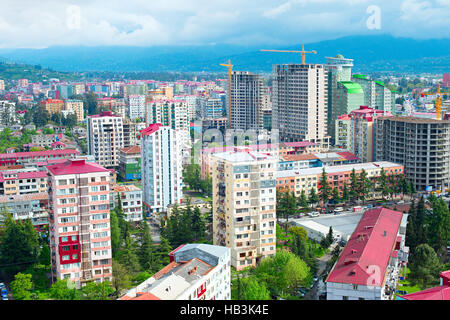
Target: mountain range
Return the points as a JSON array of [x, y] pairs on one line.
[[378, 53]]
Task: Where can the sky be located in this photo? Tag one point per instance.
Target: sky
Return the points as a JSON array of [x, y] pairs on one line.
[[45, 23]]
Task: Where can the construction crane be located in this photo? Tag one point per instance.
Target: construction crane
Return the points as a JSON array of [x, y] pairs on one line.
[[438, 95], [303, 52], [230, 69]]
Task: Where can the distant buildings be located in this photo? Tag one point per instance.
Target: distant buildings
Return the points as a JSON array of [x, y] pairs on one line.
[[131, 198], [53, 105], [8, 115], [105, 138], [244, 205], [369, 265], [76, 106], [22, 181], [211, 108], [136, 107], [421, 145], [80, 238], [161, 163], [300, 102], [355, 132], [376, 94], [195, 272]]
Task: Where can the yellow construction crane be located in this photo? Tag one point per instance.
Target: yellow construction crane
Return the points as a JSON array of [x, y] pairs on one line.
[[303, 52], [230, 69], [438, 95]]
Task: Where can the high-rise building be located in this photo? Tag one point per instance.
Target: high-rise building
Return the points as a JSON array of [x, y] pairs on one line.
[[136, 106], [376, 94], [246, 100], [211, 108], [131, 199], [339, 69], [130, 163], [2, 84], [8, 114], [300, 102], [244, 205], [80, 237], [77, 107], [22, 83], [355, 132], [105, 138], [421, 145], [161, 165], [65, 91], [130, 134]]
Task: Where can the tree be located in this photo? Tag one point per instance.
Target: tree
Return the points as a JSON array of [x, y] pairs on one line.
[[128, 256], [345, 193], [364, 185], [115, 232], [64, 290], [21, 286], [41, 117], [330, 237], [354, 189], [411, 238], [336, 197], [44, 255], [425, 266], [254, 290], [324, 187], [313, 198], [283, 272], [198, 225], [146, 250], [383, 186], [162, 253], [420, 219], [121, 277], [438, 222], [303, 200], [97, 291]]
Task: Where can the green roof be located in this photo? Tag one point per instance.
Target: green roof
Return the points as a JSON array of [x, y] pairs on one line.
[[360, 76], [381, 83], [352, 87]]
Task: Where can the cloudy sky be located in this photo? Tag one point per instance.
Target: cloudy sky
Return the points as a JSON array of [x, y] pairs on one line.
[[44, 23]]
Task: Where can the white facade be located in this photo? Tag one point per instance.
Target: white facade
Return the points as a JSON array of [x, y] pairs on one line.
[[105, 138], [197, 272], [136, 108], [131, 198], [161, 165]]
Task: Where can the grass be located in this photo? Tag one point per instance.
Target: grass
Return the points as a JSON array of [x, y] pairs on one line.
[[406, 285]]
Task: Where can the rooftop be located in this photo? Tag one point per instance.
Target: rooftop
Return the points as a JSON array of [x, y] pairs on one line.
[[441, 292], [33, 154], [125, 188], [242, 155], [131, 150], [371, 244], [78, 166]]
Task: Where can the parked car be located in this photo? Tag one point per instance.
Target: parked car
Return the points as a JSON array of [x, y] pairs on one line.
[[323, 295], [338, 209], [3, 292], [369, 206], [314, 214], [2, 285], [401, 202]]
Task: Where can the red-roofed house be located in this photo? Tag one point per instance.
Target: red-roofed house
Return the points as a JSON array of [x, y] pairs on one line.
[[368, 266], [441, 292]]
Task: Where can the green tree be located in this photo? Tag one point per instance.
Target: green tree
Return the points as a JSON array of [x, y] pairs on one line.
[[345, 193], [364, 185], [97, 291], [313, 198], [255, 290], [383, 186], [121, 277], [146, 250], [162, 253], [115, 232], [336, 197], [198, 225], [44, 255], [303, 200], [64, 290], [438, 222], [425, 266], [354, 186], [324, 187], [21, 286]]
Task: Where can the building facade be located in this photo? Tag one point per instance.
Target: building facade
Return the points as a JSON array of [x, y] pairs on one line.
[[300, 102], [244, 205], [131, 199], [80, 237], [130, 163], [105, 138], [421, 145], [162, 180]]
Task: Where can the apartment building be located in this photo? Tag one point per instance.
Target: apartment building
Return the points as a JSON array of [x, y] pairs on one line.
[[195, 272], [300, 180], [22, 181], [300, 102], [211, 108], [136, 107], [359, 274], [117, 105], [7, 112], [80, 237], [131, 198], [421, 145], [53, 105], [376, 94], [161, 163], [244, 205], [246, 99], [105, 138], [76, 106], [355, 132], [130, 134], [130, 163], [16, 158]]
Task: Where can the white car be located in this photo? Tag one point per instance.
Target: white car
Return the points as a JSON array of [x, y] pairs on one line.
[[339, 209], [401, 202], [314, 214]]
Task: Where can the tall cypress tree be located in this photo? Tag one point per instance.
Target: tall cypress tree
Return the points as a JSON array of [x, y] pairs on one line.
[[411, 237], [146, 251], [421, 232]]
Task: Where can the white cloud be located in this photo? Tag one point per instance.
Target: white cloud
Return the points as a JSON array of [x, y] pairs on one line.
[[28, 23]]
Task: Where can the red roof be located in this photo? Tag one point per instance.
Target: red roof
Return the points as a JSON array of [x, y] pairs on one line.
[[371, 244], [141, 296], [150, 129], [104, 114], [437, 293], [33, 154], [131, 150], [78, 166], [348, 155], [300, 144]]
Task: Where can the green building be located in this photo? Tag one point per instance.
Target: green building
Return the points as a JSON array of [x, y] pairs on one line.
[[376, 94], [130, 163]]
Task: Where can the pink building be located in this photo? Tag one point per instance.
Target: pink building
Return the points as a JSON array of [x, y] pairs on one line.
[[80, 237]]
